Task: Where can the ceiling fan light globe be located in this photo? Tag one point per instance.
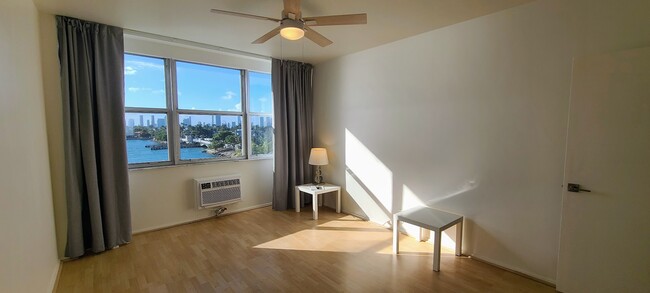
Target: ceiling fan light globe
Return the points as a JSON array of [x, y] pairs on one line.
[[292, 33]]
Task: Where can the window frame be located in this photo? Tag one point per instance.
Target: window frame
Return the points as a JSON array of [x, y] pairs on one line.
[[173, 117], [166, 110], [249, 126]]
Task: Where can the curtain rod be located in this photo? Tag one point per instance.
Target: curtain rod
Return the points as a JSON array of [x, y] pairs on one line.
[[192, 43]]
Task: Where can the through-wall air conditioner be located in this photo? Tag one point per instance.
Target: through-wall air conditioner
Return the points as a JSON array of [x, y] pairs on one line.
[[217, 191]]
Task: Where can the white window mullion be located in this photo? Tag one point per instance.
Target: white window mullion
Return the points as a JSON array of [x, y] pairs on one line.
[[173, 109]]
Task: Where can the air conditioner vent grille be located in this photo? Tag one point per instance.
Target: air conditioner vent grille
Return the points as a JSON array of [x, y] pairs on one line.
[[217, 196], [211, 192]]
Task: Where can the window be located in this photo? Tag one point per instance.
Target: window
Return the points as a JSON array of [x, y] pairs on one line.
[[261, 114], [214, 113], [146, 106]]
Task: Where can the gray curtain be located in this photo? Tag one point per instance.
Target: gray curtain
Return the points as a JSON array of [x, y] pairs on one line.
[[92, 84], [292, 110]]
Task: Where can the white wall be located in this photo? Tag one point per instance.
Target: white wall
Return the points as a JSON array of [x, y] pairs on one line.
[[28, 247], [161, 197], [54, 122], [471, 119]]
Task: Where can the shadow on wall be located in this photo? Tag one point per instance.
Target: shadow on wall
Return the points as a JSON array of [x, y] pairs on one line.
[[373, 187]]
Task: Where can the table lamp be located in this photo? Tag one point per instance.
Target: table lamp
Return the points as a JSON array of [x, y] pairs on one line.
[[318, 157]]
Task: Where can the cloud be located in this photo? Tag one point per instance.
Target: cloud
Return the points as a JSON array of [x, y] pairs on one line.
[[142, 64], [229, 95], [132, 67], [145, 90], [128, 70]]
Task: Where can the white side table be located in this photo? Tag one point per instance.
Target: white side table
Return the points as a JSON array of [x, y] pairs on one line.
[[434, 220], [315, 191]]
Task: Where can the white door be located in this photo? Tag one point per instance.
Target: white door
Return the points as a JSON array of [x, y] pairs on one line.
[[605, 233]]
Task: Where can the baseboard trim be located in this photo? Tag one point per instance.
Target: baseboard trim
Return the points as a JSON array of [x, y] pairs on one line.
[[54, 281], [228, 212], [516, 272]]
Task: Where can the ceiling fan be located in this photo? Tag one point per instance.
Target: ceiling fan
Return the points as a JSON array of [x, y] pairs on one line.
[[293, 26]]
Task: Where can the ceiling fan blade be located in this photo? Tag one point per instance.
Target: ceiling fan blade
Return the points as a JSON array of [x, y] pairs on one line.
[[244, 15], [316, 37], [293, 7], [360, 18], [267, 36]]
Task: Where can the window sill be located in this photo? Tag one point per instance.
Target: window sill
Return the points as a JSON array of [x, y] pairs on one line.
[[198, 164]]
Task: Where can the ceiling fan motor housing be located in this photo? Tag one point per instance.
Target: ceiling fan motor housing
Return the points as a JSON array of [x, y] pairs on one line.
[[288, 22]]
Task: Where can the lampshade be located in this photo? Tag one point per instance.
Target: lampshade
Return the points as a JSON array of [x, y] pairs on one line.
[[292, 33], [318, 157]]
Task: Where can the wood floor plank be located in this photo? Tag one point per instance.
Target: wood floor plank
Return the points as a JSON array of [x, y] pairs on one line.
[[269, 251]]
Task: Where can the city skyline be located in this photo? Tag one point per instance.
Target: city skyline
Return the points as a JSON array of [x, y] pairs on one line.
[[193, 120]]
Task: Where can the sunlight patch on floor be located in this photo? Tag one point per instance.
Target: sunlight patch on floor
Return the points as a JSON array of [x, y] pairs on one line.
[[342, 240], [348, 234]]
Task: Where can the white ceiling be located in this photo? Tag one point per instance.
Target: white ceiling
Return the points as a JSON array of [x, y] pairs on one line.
[[388, 20]]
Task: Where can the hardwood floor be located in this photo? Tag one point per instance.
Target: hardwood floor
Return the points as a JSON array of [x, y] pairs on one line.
[[266, 251]]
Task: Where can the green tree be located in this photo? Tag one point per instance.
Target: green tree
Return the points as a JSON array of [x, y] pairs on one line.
[[160, 134], [262, 139], [142, 131], [233, 139]]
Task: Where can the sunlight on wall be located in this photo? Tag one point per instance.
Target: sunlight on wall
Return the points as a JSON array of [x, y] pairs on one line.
[[365, 200], [410, 200], [368, 180], [468, 185]]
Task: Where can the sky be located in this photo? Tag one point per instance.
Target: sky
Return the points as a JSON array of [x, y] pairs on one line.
[[200, 87]]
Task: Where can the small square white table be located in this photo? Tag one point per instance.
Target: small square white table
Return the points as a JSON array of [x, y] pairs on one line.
[[434, 220], [315, 192]]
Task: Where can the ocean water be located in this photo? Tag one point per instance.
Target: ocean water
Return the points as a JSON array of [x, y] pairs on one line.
[[138, 152]]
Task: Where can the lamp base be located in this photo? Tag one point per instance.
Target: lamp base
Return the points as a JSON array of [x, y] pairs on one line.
[[318, 179]]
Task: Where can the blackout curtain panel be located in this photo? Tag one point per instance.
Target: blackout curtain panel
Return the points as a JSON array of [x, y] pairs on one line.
[[292, 110], [92, 84]]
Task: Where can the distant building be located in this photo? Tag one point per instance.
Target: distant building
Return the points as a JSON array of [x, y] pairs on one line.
[[162, 122], [141, 120], [269, 121], [261, 121], [216, 120], [131, 123], [187, 121], [152, 122]]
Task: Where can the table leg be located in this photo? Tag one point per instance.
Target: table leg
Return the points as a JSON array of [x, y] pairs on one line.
[[436, 251], [314, 203], [297, 200], [395, 234], [459, 238], [338, 201]]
